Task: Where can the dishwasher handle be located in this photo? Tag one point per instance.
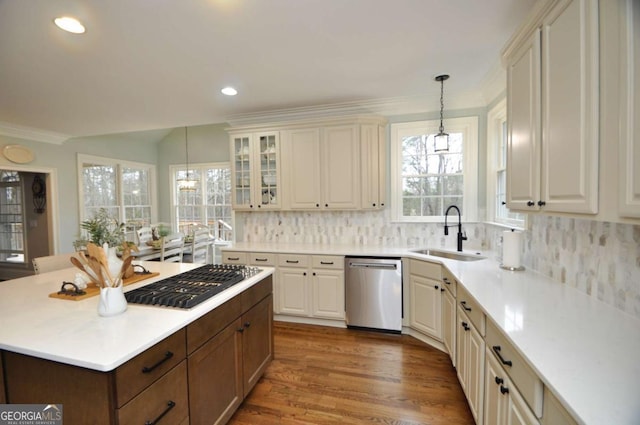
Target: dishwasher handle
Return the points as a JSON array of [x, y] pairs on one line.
[[363, 265]]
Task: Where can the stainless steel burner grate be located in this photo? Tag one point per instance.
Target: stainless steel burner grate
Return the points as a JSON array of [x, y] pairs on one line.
[[189, 289]]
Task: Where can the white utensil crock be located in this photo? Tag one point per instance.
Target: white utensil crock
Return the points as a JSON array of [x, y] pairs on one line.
[[112, 301]]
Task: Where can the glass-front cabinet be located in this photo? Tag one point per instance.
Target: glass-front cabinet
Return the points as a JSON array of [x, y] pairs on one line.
[[255, 169]]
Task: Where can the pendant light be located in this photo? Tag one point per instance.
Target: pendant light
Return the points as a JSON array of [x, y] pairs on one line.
[[441, 140], [187, 184]]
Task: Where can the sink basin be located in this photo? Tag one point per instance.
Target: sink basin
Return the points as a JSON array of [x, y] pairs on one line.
[[449, 254]]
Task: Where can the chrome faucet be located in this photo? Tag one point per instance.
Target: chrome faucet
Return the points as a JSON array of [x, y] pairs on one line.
[[461, 236]]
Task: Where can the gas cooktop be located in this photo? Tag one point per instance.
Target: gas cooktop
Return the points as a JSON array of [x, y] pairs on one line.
[[189, 289]]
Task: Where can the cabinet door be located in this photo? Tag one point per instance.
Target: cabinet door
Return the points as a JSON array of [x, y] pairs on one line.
[[257, 342], [301, 168], [496, 401], [241, 172], [340, 167], [475, 387], [426, 305], [328, 294], [293, 288], [462, 356], [518, 411], [267, 160], [372, 175], [570, 118], [523, 127], [215, 377], [449, 324]]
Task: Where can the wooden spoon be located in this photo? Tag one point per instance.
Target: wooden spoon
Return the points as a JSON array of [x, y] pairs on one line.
[[125, 266], [81, 266]]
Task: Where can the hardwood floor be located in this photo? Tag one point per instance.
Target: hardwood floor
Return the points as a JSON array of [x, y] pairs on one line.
[[323, 375]]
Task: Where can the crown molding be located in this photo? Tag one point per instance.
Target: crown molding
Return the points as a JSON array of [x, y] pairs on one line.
[[30, 133], [385, 107]]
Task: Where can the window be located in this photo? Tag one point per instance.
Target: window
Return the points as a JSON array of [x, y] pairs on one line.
[[124, 189], [11, 218], [209, 204], [496, 169], [425, 183]]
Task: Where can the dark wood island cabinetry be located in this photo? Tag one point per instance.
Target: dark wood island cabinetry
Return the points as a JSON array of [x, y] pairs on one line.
[[199, 375]]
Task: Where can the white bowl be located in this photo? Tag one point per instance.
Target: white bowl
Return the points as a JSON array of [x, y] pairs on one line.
[[269, 179]]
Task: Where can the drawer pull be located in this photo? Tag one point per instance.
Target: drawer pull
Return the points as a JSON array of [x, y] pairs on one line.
[[293, 261], [464, 305], [247, 324], [499, 381], [327, 263], [496, 349], [445, 280], [233, 258], [170, 405], [436, 287], [504, 390], [150, 369], [465, 326], [261, 259]]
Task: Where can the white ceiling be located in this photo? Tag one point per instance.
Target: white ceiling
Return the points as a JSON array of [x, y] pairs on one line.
[[156, 64]]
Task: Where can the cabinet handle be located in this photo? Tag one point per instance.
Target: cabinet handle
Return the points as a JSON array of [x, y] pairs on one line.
[[304, 274], [504, 390], [314, 273], [530, 203], [327, 263], [326, 205], [541, 203], [241, 329], [464, 305], [436, 287], [250, 205], [149, 369], [247, 324], [382, 204], [259, 206], [441, 289], [233, 258], [496, 349], [374, 204], [317, 205], [503, 203], [261, 259], [445, 280], [170, 405], [293, 261], [465, 326], [499, 381]]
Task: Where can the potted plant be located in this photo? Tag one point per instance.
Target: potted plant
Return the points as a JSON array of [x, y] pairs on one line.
[[101, 229]]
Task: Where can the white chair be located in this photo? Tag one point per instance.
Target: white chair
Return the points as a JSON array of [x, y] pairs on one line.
[[144, 235], [52, 262], [199, 246], [172, 248]]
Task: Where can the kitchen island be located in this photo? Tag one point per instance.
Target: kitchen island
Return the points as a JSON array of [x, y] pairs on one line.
[[136, 366]]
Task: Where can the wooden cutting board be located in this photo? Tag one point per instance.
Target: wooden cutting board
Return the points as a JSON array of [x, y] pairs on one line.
[[92, 291]]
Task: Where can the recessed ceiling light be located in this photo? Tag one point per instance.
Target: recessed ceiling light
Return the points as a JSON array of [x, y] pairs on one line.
[[229, 91], [69, 24]]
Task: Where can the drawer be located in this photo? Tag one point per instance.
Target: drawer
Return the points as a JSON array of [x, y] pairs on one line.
[[263, 259], [471, 308], [144, 369], [233, 257], [449, 281], [168, 397], [293, 260], [426, 269], [520, 373], [327, 262]]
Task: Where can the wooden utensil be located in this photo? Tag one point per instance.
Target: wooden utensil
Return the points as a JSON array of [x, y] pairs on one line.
[[81, 266], [125, 266]]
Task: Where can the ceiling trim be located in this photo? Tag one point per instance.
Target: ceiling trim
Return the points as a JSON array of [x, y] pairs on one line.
[[30, 133]]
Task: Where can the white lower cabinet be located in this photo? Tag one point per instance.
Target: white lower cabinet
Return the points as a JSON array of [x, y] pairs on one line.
[[470, 364], [328, 293], [425, 313], [449, 324], [293, 291]]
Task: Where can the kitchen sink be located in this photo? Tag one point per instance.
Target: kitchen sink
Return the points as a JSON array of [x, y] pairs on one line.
[[460, 256]]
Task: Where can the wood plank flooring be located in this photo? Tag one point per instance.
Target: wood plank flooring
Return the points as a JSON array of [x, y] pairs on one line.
[[323, 375]]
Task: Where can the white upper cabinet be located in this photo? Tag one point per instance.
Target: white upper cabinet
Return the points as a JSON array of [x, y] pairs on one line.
[[340, 163], [553, 113], [301, 174], [629, 151]]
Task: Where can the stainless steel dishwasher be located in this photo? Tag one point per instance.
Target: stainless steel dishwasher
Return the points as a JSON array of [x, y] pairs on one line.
[[373, 293]]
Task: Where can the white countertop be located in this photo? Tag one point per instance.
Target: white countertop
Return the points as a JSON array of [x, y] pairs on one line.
[[585, 351], [72, 332]]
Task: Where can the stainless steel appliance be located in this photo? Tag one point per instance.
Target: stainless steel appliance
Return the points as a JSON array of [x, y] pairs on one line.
[[373, 293], [186, 290]]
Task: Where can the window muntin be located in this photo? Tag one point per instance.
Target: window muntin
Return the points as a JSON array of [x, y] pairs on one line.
[[425, 182]]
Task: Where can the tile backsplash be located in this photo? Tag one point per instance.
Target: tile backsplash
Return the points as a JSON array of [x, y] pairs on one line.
[[601, 259]]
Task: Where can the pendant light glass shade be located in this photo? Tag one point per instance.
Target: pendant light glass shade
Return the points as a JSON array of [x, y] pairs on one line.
[[187, 184], [441, 140]]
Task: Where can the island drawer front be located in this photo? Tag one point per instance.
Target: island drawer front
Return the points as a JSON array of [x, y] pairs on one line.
[[144, 369], [449, 281], [426, 269], [293, 260], [327, 262], [520, 373], [213, 322], [233, 257], [168, 396], [263, 259], [472, 309], [256, 293]]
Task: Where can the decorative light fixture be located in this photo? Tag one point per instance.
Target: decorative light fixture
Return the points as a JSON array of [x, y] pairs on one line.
[[441, 140], [187, 184], [229, 91], [69, 24]]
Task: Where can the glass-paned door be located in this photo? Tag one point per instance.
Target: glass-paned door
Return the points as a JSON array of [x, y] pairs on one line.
[[269, 166], [11, 218], [242, 171]]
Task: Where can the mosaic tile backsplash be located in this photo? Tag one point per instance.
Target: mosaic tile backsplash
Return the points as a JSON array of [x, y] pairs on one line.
[[601, 259]]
